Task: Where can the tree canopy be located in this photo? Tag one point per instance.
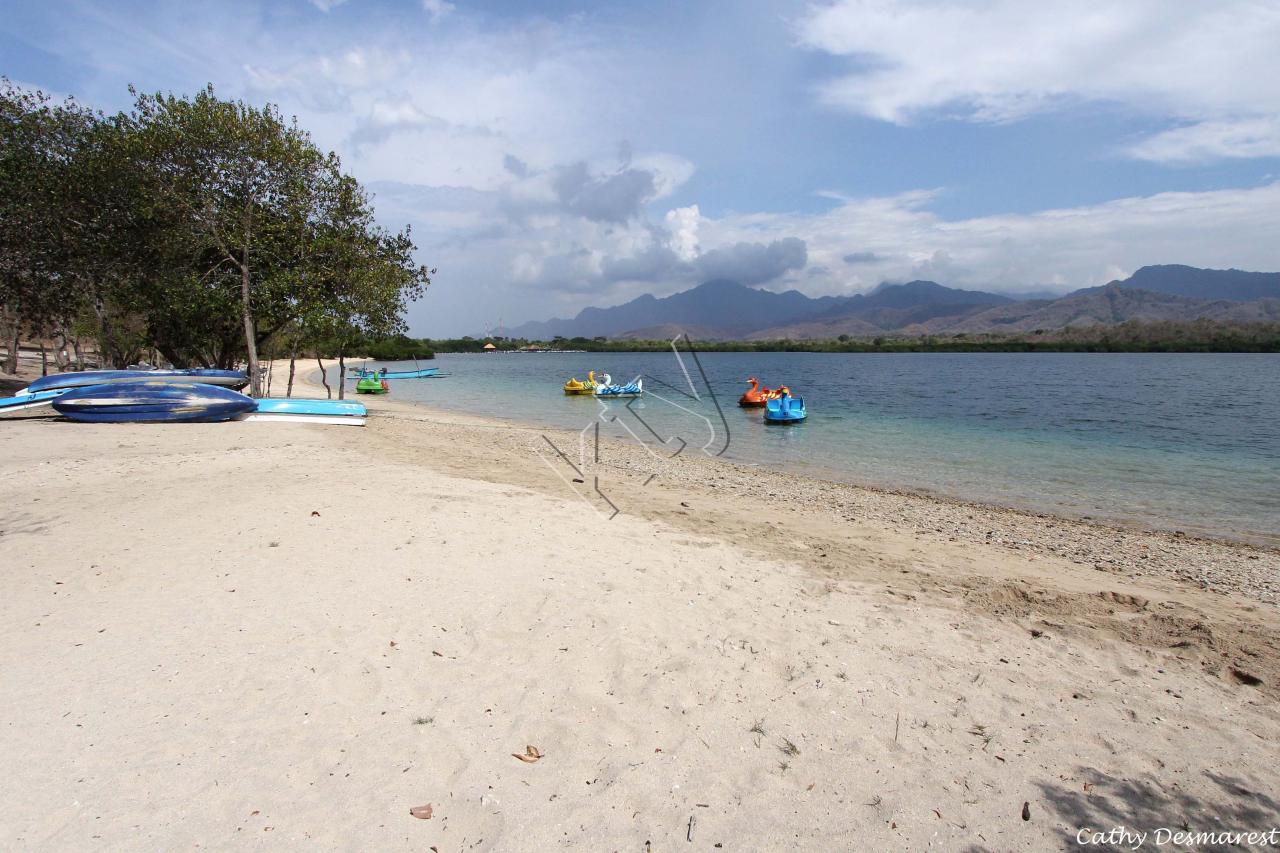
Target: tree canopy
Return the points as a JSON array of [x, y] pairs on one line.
[[197, 226]]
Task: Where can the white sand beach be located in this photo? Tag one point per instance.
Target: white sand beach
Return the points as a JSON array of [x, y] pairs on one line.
[[282, 636]]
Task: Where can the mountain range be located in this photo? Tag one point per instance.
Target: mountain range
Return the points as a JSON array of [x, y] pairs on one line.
[[725, 310]]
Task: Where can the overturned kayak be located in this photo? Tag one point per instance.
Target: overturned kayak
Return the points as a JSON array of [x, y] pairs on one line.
[[335, 412], [26, 401], [152, 402], [785, 410], [81, 379]]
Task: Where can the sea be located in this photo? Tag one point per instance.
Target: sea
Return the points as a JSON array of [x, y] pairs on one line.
[[1174, 441]]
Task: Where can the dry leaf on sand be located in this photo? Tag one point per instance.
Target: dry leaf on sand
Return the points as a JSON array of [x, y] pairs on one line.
[[531, 754]]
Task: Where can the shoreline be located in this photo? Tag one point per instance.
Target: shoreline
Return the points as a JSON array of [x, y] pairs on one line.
[[1183, 556], [1097, 513]]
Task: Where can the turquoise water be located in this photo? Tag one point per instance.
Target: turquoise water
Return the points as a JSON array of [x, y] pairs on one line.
[[1181, 441]]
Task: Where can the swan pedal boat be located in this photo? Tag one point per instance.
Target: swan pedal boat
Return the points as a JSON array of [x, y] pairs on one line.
[[757, 397], [575, 388], [606, 388]]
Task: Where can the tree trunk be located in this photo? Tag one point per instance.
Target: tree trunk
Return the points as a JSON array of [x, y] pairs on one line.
[[271, 367], [75, 345], [11, 363], [293, 359], [60, 357], [250, 342], [106, 340], [44, 359], [342, 375], [324, 378]]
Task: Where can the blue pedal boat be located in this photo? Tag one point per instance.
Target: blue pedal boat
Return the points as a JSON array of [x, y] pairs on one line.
[[152, 402], [785, 410], [84, 378]]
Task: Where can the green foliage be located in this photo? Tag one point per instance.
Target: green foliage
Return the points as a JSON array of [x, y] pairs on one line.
[[204, 228]]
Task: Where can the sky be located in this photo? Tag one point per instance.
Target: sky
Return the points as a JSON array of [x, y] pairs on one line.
[[554, 155]]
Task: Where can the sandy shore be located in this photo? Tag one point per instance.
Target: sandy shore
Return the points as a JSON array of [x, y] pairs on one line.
[[280, 635]]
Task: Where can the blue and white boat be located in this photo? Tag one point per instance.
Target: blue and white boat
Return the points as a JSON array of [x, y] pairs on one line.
[[336, 412], [785, 410], [81, 379], [158, 401], [24, 401], [605, 388]]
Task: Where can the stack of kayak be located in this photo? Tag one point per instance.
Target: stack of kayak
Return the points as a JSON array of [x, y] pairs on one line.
[[169, 396]]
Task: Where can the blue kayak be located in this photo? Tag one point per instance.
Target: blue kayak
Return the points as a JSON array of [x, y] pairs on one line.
[[228, 378], [152, 402], [30, 401], [785, 410], [340, 412]]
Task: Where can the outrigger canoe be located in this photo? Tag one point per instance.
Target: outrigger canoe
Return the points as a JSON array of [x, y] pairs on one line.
[[368, 373]]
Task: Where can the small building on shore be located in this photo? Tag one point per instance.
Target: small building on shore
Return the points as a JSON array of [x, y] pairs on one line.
[[489, 347]]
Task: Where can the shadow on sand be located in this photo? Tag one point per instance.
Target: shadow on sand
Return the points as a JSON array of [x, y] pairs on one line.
[[1224, 804]]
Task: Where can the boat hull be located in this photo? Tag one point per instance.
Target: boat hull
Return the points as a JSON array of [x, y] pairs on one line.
[[329, 420], [152, 402], [295, 410], [302, 406], [86, 378], [23, 402]]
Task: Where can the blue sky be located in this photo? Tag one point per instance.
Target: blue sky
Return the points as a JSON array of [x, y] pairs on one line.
[[553, 155]]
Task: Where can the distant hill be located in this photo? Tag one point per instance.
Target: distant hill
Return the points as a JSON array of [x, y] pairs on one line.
[[1196, 283], [721, 309], [726, 310]]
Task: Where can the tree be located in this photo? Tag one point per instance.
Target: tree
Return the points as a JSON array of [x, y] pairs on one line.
[[357, 278], [37, 140], [237, 183]]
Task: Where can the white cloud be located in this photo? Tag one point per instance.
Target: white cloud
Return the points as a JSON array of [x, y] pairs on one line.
[[1002, 60], [437, 9], [326, 5], [1212, 140], [900, 238], [683, 225]]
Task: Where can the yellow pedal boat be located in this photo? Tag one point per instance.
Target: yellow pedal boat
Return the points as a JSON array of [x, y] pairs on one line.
[[573, 386]]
